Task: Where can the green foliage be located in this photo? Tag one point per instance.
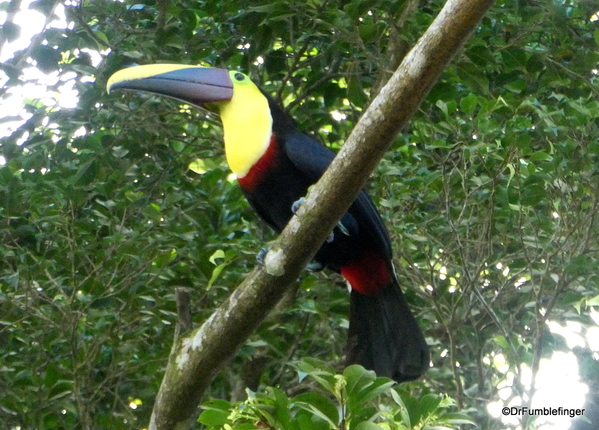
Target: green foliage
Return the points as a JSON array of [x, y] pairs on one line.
[[352, 400], [490, 195]]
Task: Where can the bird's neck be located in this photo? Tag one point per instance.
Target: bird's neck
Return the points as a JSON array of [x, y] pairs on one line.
[[247, 132], [259, 172]]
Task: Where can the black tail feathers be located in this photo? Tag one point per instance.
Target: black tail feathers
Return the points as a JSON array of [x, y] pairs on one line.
[[385, 337]]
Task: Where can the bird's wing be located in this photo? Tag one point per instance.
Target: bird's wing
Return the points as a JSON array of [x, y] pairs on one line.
[[312, 159]]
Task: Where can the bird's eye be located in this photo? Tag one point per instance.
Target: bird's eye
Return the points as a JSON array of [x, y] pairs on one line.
[[239, 76]]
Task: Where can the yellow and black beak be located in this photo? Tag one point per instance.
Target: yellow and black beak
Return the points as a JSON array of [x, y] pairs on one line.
[[192, 84]]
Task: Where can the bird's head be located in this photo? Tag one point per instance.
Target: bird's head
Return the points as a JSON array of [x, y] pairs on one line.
[[205, 87], [243, 107]]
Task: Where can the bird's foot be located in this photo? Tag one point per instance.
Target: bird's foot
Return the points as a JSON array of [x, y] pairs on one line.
[[261, 255], [331, 237], [314, 266], [343, 228], [296, 204], [294, 208]]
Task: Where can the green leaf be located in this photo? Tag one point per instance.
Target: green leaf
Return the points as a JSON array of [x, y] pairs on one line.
[[367, 425], [363, 385], [219, 253], [134, 196], [165, 258], [427, 427], [178, 146], [540, 156], [201, 166], [102, 36], [319, 371], [357, 378], [578, 265], [319, 405], [429, 403], [188, 19], [403, 410], [594, 301], [86, 174], [355, 92], [215, 274], [469, 103], [152, 212], [267, 8], [214, 418], [501, 341], [443, 106], [456, 418], [305, 421], [533, 194]]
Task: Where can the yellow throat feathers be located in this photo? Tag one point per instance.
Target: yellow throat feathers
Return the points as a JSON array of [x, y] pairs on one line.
[[247, 124]]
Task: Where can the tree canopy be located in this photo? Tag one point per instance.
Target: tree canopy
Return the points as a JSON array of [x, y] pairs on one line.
[[106, 208]]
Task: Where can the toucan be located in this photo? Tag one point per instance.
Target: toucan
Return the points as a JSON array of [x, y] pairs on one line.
[[275, 165]]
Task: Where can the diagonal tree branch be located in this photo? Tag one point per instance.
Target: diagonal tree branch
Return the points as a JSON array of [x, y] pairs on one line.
[[198, 356]]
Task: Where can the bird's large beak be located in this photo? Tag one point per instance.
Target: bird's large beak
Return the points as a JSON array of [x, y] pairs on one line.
[[192, 84]]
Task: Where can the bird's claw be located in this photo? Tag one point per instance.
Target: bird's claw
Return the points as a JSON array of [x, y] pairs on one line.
[[343, 228], [314, 266], [296, 204], [261, 256], [294, 208]]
